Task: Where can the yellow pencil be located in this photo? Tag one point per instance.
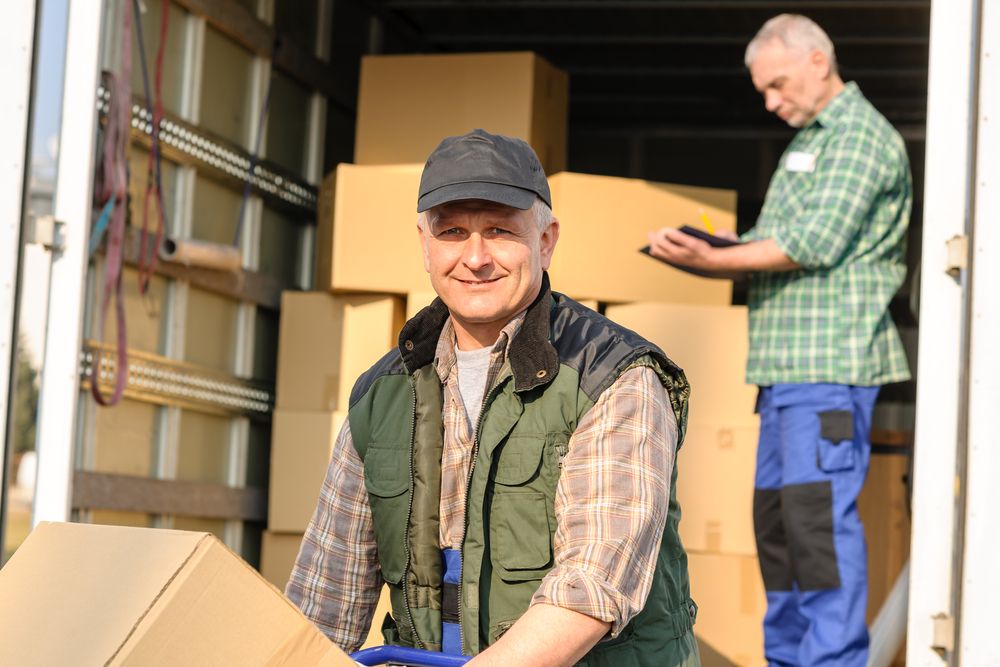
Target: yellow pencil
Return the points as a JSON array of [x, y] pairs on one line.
[[708, 223]]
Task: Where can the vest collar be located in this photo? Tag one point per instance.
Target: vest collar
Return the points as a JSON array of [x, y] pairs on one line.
[[533, 360]]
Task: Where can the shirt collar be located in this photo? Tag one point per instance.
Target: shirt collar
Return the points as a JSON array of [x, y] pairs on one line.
[[444, 356], [834, 110]]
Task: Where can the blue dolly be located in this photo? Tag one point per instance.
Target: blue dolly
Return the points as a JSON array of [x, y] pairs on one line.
[[411, 657], [451, 643]]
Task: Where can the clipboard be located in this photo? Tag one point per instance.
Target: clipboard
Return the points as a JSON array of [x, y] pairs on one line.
[[710, 239]]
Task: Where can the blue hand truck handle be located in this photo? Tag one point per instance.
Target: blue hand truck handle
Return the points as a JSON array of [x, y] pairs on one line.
[[411, 657]]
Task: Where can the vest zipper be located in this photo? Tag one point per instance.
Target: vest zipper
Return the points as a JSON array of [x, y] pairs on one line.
[[468, 489], [409, 515]]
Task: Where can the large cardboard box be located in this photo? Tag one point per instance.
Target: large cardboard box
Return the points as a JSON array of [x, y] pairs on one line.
[[277, 557], [715, 483], [710, 343], [300, 454], [605, 220], [77, 594], [370, 221], [408, 103], [731, 606], [326, 341], [374, 245]]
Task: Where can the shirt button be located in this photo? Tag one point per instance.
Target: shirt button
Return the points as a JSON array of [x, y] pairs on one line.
[[408, 345]]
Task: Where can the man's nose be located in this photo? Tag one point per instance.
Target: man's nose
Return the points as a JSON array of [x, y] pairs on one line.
[[477, 252], [772, 100]]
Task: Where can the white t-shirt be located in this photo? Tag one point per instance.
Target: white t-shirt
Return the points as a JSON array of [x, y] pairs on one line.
[[472, 368]]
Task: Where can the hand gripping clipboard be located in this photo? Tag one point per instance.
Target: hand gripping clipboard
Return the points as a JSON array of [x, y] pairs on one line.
[[710, 239]]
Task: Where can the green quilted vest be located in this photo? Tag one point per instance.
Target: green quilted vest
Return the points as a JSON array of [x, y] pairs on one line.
[[560, 361]]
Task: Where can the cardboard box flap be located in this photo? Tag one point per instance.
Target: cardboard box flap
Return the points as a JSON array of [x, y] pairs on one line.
[[66, 576], [90, 594]]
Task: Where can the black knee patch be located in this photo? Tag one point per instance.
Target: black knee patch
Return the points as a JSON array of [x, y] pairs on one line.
[[772, 545], [807, 511]]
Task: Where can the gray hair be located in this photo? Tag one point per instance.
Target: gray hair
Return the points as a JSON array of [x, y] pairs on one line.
[[540, 211], [798, 33]]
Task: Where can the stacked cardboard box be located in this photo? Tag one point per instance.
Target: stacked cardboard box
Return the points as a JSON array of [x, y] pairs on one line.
[[79, 594], [408, 103], [301, 443], [325, 342]]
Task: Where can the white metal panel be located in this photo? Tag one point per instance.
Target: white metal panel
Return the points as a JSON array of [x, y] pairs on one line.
[[17, 37], [946, 196], [978, 643], [60, 381]]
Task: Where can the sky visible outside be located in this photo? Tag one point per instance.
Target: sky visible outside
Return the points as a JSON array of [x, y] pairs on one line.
[[47, 110]]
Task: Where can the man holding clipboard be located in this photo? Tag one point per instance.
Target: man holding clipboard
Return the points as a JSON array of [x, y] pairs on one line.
[[824, 260]]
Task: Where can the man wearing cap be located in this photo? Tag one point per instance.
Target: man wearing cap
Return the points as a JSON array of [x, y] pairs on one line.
[[826, 257], [508, 470]]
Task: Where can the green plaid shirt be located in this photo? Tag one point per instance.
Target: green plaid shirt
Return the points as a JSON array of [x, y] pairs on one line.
[[838, 205]]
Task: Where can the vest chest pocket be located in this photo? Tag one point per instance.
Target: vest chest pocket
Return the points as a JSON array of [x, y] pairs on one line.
[[387, 480], [522, 511]]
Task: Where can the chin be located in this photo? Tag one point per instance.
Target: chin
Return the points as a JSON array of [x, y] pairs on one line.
[[479, 315]]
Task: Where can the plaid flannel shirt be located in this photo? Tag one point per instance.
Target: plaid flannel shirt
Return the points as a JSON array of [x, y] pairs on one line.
[[838, 205]]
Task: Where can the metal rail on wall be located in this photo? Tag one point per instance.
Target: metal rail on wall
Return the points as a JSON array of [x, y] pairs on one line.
[[164, 381], [189, 144]]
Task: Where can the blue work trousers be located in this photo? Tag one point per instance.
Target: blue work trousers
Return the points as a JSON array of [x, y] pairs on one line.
[[812, 459]]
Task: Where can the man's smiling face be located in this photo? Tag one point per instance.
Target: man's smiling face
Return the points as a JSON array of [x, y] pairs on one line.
[[485, 261]]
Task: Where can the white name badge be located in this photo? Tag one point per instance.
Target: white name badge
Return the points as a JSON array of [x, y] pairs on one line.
[[799, 161]]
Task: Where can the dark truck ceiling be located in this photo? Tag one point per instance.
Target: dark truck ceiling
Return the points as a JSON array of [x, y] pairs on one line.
[[664, 66]]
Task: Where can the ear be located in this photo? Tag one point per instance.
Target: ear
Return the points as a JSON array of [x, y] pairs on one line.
[[547, 243], [424, 249], [820, 63]]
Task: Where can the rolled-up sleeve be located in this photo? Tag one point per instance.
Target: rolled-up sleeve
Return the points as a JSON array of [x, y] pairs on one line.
[[612, 501], [336, 578]]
